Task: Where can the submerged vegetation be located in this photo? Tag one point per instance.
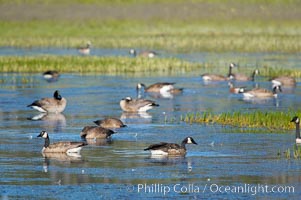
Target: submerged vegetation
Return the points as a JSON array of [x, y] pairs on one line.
[[273, 121]]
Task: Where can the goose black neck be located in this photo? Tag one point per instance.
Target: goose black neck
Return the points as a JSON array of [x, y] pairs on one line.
[[183, 145], [253, 76], [47, 142], [298, 130], [230, 72]]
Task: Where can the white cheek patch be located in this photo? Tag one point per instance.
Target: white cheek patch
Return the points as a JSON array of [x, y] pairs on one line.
[[297, 120], [189, 141]]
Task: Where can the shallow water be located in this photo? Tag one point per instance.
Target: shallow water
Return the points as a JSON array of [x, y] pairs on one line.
[[225, 164]]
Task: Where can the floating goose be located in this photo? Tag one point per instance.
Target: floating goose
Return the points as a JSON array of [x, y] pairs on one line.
[[170, 149], [96, 132], [60, 147], [262, 93], [110, 122], [160, 87], [57, 104], [243, 77], [136, 105], [284, 81], [216, 77], [85, 50], [296, 120], [51, 75], [235, 90], [148, 54]]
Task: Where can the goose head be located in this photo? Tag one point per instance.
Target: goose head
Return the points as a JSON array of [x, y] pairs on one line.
[[57, 95], [296, 120], [189, 140], [43, 134], [133, 52]]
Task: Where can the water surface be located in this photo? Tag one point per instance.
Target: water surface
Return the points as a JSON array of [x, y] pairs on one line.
[[120, 169]]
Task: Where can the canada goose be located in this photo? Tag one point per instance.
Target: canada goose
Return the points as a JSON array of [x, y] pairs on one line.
[[296, 120], [110, 122], [148, 54], [85, 50], [262, 93], [171, 149], [161, 87], [60, 147], [242, 77], [57, 104], [235, 90], [136, 105], [216, 77], [284, 81], [96, 132], [51, 75]]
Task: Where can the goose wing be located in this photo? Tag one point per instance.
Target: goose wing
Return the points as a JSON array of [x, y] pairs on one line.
[[64, 146]]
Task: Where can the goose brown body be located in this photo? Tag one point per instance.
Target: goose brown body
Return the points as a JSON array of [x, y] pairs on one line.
[[60, 147], [57, 104], [136, 105], [110, 123], [96, 132], [170, 149]]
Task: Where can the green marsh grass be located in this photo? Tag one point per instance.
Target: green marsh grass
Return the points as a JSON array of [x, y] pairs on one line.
[[93, 64], [272, 121], [178, 26], [294, 152]]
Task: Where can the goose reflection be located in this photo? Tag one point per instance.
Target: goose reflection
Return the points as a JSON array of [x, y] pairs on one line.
[[133, 117], [66, 158], [171, 160], [51, 120]]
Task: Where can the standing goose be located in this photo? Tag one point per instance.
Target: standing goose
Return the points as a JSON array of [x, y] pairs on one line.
[[85, 50], [170, 149], [284, 81], [110, 122], [60, 147], [136, 105], [216, 77], [296, 120], [147, 54], [262, 93], [160, 87], [96, 132], [243, 77], [57, 104]]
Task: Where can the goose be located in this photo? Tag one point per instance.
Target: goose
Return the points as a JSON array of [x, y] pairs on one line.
[[51, 75], [243, 77], [235, 90], [95, 132], [85, 50], [170, 149], [147, 54], [296, 120], [160, 87], [60, 147], [216, 77], [110, 122], [136, 105], [262, 93], [284, 81], [57, 104]]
